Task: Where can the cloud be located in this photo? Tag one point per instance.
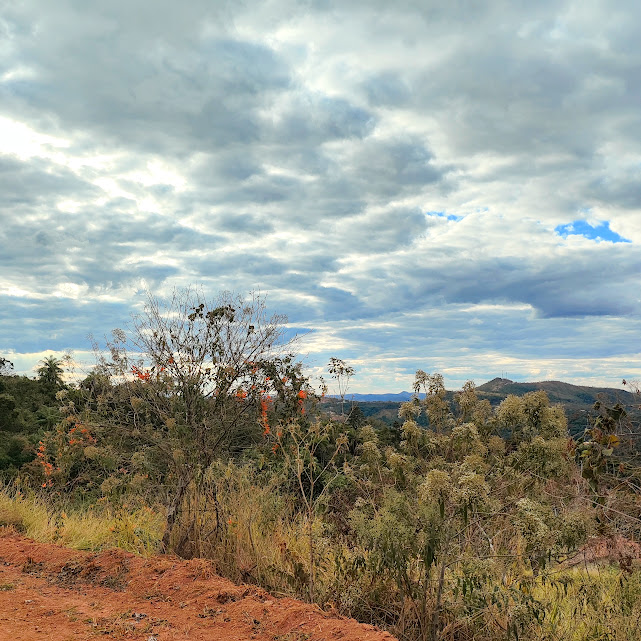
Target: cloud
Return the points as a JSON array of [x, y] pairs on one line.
[[24, 185], [414, 183]]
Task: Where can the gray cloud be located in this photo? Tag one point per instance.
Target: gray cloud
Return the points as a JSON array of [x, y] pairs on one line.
[[300, 148], [28, 184], [387, 89]]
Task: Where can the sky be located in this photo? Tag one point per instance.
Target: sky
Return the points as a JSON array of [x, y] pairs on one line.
[[450, 186]]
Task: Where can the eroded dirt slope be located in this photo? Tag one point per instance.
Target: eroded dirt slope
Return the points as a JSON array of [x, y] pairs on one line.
[[54, 593]]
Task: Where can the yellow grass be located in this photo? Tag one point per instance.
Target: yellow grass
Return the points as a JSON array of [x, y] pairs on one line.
[[133, 528]]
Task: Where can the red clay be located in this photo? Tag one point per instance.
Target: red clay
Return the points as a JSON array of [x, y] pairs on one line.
[[53, 593]]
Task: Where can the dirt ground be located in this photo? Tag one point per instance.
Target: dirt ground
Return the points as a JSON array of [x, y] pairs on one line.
[[53, 593]]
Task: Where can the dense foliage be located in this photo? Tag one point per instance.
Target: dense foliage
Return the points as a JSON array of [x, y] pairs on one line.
[[463, 521], [28, 409]]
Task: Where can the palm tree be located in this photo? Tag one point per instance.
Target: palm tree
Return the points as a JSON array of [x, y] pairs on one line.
[[50, 372]]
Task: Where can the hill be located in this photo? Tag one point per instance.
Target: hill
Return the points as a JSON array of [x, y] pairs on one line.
[[577, 400], [557, 391]]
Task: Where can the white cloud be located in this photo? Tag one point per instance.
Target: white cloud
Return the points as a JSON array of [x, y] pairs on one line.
[[303, 150]]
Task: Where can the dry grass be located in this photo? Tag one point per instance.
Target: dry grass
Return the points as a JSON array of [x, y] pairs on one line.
[[253, 533], [132, 528]]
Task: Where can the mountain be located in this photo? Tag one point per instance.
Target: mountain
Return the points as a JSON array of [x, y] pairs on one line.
[[577, 400], [400, 397], [557, 391], [498, 388]]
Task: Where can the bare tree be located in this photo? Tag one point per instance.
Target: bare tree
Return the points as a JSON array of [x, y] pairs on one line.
[[198, 372], [342, 373]]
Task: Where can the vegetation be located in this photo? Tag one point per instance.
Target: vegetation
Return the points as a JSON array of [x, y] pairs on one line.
[[28, 409], [198, 433], [342, 373], [576, 400]]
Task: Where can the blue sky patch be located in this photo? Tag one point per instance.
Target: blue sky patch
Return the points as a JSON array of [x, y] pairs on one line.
[[598, 232], [442, 214]]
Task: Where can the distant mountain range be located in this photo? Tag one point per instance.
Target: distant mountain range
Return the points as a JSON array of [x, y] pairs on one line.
[[577, 400], [498, 388], [401, 397]]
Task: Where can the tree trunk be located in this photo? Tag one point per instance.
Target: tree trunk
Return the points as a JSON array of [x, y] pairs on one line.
[[173, 511]]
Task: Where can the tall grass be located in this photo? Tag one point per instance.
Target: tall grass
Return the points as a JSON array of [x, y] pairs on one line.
[[134, 528], [254, 532], [597, 602]]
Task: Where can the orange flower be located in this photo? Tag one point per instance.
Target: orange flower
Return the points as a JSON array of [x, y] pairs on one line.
[[263, 416], [143, 376], [302, 395]]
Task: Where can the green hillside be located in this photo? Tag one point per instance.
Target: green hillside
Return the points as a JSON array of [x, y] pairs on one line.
[[577, 400]]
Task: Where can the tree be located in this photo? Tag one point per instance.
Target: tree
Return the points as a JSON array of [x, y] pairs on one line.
[[356, 418], [300, 443], [196, 380], [524, 417], [436, 406], [342, 373], [5, 366], [8, 413], [50, 372], [452, 512]]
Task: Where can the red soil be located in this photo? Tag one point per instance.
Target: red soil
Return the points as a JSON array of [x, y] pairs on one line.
[[54, 593]]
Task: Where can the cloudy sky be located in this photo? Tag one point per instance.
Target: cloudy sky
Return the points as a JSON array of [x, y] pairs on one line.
[[451, 186]]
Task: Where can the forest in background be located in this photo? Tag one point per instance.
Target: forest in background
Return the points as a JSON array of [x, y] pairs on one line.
[[198, 433]]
